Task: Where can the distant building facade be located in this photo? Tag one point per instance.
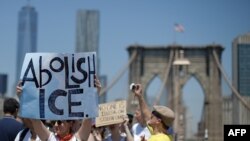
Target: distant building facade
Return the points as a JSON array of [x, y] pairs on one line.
[[3, 89], [241, 77], [87, 32], [87, 38], [103, 80], [3, 84], [227, 109], [1, 107], [26, 35]]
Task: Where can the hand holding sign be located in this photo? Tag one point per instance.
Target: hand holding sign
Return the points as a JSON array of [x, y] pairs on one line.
[[98, 84], [19, 89]]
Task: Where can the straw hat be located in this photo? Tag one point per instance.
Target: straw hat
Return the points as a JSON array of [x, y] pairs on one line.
[[166, 113]]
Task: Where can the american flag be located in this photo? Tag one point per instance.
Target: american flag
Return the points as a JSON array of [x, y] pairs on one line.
[[178, 27]]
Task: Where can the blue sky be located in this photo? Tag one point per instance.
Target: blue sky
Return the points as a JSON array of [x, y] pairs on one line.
[[124, 23]]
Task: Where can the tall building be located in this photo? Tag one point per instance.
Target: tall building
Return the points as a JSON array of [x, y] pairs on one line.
[[3, 84], [227, 107], [103, 80], [87, 31], [87, 38], [3, 89], [27, 35], [1, 107], [241, 77]]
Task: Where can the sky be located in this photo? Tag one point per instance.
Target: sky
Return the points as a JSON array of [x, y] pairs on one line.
[[124, 23]]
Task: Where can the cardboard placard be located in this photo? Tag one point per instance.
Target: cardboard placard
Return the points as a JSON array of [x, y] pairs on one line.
[[111, 113]]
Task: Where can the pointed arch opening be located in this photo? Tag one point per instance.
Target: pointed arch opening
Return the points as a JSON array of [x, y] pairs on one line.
[[152, 91], [193, 98]]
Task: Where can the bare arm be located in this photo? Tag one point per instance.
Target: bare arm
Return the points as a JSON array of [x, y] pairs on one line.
[[38, 126], [85, 128], [19, 89], [84, 131], [97, 84], [145, 111], [127, 131], [40, 129]]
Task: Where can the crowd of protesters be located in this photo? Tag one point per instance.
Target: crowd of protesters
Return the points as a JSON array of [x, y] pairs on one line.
[[143, 125]]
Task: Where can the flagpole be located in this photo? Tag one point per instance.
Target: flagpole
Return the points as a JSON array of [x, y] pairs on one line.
[[177, 28], [175, 42]]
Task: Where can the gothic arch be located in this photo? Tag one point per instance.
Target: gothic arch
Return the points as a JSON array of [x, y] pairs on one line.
[[151, 61]]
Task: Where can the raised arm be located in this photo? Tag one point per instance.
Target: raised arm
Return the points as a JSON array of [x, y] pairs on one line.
[[19, 89], [40, 129], [126, 129], [38, 126], [85, 128], [145, 111], [97, 84]]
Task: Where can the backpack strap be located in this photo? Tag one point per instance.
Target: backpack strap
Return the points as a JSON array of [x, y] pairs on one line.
[[22, 135]]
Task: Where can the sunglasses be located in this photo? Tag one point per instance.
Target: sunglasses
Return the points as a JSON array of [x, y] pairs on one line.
[[59, 122], [159, 116]]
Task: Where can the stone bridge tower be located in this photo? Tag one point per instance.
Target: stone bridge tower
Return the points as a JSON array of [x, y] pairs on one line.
[[200, 63]]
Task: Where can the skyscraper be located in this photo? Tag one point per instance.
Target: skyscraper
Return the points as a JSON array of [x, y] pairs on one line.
[[241, 77], [87, 31], [3, 83], [26, 35], [87, 38]]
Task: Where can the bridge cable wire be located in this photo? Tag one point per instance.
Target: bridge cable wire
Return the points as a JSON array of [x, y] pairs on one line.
[[228, 82], [158, 96], [133, 56]]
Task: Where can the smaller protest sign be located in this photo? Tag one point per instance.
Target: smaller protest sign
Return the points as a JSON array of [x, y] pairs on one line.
[[111, 113]]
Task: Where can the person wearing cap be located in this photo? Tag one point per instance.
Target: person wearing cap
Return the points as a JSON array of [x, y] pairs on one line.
[[158, 121]]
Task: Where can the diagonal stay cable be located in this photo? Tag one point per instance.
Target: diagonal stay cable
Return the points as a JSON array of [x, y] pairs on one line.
[[228, 82], [133, 56], [158, 96]]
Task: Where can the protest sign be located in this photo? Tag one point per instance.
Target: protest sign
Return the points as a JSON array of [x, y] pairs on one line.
[[58, 86], [111, 113]]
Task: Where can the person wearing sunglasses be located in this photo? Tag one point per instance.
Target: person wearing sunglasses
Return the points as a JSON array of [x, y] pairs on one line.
[[158, 121], [64, 130]]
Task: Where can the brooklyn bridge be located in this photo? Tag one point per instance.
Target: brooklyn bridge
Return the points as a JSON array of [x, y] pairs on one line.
[[175, 65]]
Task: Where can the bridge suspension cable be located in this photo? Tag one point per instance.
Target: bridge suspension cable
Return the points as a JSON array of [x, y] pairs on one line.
[[228, 82], [158, 96], [132, 58]]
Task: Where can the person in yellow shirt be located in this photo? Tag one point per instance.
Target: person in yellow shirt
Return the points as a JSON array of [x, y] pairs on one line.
[[158, 121]]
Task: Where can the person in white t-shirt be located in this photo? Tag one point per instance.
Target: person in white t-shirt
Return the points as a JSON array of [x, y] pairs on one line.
[[63, 129], [139, 129], [28, 133], [119, 132]]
